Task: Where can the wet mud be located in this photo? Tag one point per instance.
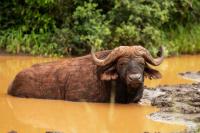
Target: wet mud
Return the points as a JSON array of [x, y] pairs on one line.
[[177, 103]]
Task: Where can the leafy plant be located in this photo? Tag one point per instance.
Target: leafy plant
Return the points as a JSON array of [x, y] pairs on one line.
[[69, 27]]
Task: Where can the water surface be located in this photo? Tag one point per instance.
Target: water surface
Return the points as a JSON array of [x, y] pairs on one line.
[[171, 67], [38, 116]]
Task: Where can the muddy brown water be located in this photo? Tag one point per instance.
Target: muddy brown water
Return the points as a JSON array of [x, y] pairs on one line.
[[39, 116], [171, 68]]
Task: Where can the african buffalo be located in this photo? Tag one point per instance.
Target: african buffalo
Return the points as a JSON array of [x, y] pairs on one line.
[[91, 77]]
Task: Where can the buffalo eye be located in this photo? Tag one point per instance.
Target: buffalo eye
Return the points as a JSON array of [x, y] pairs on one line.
[[122, 64], [141, 64]]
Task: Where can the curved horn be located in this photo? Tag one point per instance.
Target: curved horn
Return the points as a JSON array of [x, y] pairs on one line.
[[129, 51], [147, 56], [116, 53]]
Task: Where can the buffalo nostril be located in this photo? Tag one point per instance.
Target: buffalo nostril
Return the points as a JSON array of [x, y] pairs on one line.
[[135, 76]]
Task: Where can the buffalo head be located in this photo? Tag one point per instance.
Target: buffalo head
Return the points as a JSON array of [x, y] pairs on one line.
[[129, 63]]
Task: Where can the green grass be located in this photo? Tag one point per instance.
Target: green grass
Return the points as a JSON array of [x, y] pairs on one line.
[[183, 40], [15, 42]]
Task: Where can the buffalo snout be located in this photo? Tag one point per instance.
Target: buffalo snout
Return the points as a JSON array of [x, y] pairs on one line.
[[134, 79]]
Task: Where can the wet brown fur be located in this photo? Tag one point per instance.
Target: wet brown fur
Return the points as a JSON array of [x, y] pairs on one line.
[[73, 79]]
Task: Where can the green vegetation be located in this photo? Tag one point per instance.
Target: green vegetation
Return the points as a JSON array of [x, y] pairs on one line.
[[183, 40], [69, 27]]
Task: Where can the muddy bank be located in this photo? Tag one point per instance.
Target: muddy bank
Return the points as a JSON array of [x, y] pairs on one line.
[[195, 76], [178, 104]]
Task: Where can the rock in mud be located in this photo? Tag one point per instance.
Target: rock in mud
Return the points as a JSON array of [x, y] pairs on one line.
[[177, 103], [53, 132], [179, 98], [12, 131], [195, 76]]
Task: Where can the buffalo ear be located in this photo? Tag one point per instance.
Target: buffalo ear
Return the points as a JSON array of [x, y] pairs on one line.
[[109, 74], [151, 73]]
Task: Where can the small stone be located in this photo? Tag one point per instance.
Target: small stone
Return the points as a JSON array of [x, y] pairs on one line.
[[53, 132], [12, 131], [187, 72], [181, 74]]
